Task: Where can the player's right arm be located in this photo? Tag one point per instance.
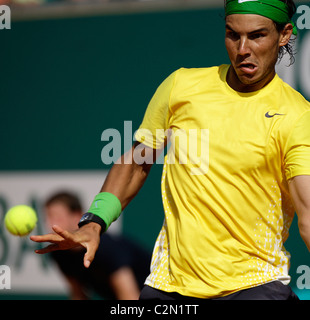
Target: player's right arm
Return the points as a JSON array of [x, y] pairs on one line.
[[126, 177], [124, 180]]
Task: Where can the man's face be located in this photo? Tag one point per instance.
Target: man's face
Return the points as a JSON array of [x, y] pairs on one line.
[[252, 43], [59, 214]]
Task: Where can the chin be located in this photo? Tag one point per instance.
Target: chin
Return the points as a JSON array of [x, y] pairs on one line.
[[248, 80]]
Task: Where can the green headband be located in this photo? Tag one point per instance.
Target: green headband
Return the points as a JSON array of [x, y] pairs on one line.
[[275, 10]]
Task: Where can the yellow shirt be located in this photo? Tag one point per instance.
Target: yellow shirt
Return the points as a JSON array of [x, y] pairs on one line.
[[224, 183]]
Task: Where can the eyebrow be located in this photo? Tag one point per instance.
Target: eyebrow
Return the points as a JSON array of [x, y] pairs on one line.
[[252, 32]]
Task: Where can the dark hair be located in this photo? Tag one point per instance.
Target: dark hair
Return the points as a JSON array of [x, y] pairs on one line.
[[70, 200], [289, 48]]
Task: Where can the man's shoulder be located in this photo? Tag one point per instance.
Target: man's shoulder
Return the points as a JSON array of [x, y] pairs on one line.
[[293, 97], [202, 71], [191, 76]]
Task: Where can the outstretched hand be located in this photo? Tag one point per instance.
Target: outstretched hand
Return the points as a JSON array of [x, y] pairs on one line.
[[87, 236]]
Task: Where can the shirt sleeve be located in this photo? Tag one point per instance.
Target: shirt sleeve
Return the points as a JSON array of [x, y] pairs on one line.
[[297, 155], [152, 131]]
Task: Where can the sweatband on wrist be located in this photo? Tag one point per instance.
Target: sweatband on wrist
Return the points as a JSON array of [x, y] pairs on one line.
[[275, 10], [107, 207]]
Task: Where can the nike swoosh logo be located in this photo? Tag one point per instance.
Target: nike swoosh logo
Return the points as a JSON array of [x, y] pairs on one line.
[[267, 115], [96, 203]]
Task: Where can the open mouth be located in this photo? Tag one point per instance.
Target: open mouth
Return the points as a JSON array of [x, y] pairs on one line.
[[248, 67]]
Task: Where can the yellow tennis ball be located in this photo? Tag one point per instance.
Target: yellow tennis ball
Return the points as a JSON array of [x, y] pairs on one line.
[[20, 220]]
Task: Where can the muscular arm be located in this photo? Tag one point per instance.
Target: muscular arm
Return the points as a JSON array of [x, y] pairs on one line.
[[300, 192], [126, 177]]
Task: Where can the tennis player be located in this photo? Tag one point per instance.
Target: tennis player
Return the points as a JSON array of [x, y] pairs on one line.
[[228, 216]]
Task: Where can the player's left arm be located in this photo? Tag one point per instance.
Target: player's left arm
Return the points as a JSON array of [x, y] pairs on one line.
[[124, 284], [76, 289], [299, 187]]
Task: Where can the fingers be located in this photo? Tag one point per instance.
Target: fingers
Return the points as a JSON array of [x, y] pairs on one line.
[[64, 234], [51, 237], [57, 239], [88, 237], [87, 262], [50, 248], [89, 257], [91, 249]]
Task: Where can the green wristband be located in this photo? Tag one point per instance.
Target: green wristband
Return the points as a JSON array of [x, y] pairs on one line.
[[107, 207]]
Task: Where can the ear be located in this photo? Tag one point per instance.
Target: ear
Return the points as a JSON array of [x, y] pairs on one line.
[[285, 35]]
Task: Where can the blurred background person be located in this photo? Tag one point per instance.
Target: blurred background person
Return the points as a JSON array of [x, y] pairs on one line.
[[120, 266]]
